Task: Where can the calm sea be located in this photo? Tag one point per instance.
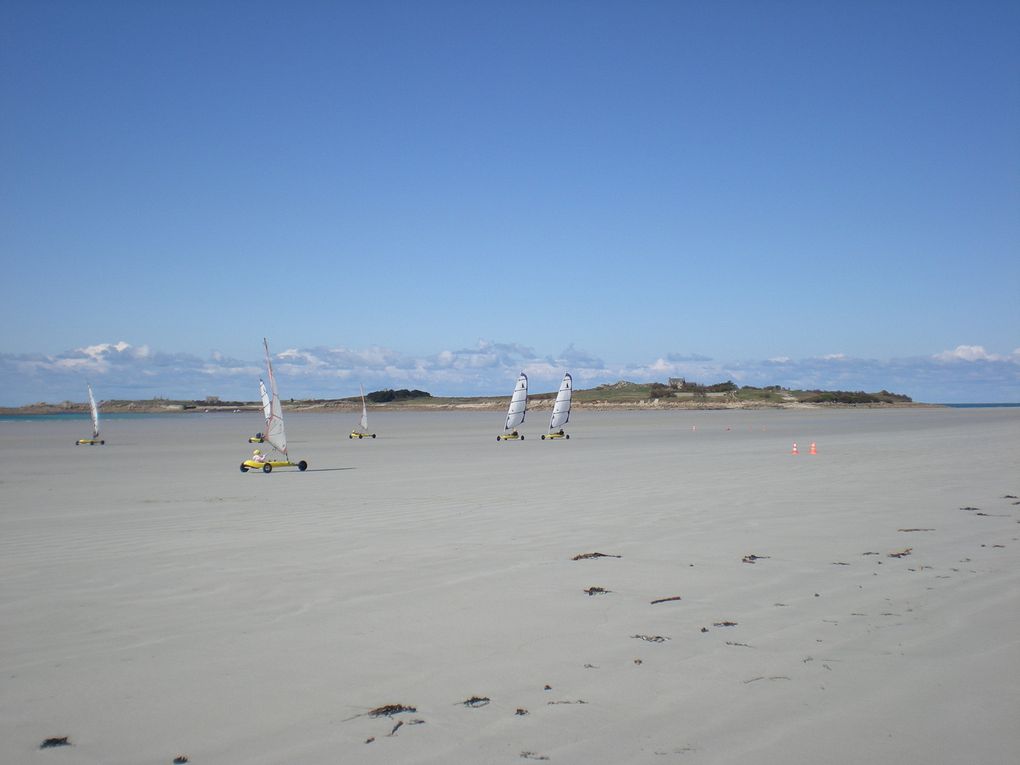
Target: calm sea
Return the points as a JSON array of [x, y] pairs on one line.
[[977, 406]]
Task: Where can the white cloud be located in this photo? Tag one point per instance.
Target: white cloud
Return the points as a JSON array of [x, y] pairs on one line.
[[98, 358], [123, 370], [967, 353], [661, 366]]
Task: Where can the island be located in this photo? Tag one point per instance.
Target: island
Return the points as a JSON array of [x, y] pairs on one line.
[[677, 393]]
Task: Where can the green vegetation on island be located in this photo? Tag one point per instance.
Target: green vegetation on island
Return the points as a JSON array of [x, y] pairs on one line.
[[388, 395]]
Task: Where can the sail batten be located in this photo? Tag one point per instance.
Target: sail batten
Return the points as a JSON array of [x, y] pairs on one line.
[[561, 409], [518, 403], [275, 433]]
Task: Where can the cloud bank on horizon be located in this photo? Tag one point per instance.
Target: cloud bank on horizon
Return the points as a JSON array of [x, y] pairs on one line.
[[967, 373]]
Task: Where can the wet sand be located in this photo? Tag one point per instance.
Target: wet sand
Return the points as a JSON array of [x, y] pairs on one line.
[[858, 605]]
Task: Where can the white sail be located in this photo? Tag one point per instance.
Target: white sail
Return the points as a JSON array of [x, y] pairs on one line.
[[95, 414], [275, 433], [518, 403], [364, 412], [267, 409], [561, 409]]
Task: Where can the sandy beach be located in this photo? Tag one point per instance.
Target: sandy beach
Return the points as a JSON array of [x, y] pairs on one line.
[[857, 605]]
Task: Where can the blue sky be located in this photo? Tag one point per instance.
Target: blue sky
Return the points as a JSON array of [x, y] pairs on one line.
[[437, 194]]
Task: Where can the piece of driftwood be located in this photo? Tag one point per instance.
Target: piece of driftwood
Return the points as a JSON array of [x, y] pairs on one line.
[[586, 556], [651, 638], [52, 742], [915, 529], [476, 701], [753, 558], [180, 759], [666, 600], [598, 591], [901, 553], [724, 624]]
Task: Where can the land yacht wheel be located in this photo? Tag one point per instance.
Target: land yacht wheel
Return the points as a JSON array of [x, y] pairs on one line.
[[244, 468], [373, 435], [302, 466], [267, 468]]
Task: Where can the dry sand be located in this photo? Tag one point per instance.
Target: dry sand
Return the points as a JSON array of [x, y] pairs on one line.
[[157, 603]]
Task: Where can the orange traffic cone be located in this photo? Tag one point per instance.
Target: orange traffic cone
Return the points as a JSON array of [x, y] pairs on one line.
[[794, 450], [813, 450]]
